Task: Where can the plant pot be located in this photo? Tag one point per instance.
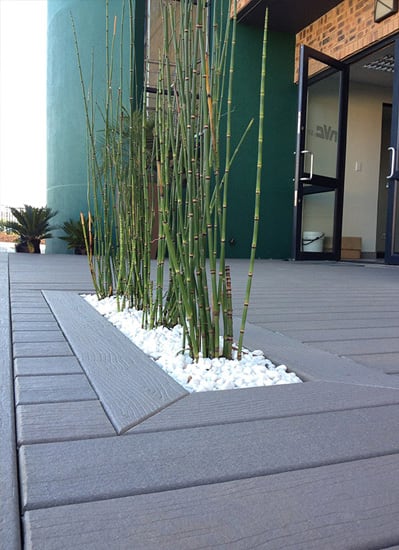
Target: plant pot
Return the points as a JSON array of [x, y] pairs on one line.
[[30, 247]]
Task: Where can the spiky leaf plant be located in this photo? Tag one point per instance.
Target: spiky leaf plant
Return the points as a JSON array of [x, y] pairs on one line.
[[75, 235], [31, 224]]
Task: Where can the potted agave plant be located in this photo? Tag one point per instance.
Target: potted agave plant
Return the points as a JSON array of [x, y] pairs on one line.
[[32, 225]]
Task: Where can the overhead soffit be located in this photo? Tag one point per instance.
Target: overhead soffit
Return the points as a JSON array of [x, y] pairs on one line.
[[285, 15]]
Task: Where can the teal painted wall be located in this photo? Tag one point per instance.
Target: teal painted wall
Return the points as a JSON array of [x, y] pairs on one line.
[[275, 228], [66, 128]]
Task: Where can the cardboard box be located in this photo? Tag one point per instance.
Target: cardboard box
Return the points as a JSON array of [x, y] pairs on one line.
[[350, 254], [351, 247]]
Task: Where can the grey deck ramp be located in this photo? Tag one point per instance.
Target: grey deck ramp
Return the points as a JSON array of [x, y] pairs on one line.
[[9, 502], [129, 384], [163, 461], [323, 508]]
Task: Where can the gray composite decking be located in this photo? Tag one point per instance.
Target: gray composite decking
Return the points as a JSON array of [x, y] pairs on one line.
[[109, 453]]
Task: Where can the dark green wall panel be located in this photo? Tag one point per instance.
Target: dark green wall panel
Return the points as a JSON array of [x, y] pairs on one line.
[[275, 228]]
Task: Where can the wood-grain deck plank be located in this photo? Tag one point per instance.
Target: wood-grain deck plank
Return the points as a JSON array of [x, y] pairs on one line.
[[129, 384], [39, 366], [347, 505], [38, 336], [89, 470], [10, 538], [72, 420], [41, 349], [245, 405], [50, 389]]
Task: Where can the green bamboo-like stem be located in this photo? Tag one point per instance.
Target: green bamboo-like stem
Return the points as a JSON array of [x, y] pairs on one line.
[[117, 169], [258, 187], [190, 207], [192, 197], [88, 240], [222, 282], [93, 168], [188, 313], [228, 313]]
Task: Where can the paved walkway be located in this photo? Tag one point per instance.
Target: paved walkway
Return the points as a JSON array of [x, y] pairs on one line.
[[104, 451]]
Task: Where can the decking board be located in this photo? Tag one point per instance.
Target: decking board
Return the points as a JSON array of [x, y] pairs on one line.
[[228, 406], [310, 362], [9, 490], [25, 336], [39, 366], [343, 334], [33, 326], [72, 420], [363, 347], [388, 362], [129, 384], [89, 470], [50, 389], [41, 316], [41, 349], [348, 505]]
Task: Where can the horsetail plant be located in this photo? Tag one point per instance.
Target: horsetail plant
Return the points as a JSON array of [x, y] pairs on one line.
[[194, 161], [169, 184], [119, 196]]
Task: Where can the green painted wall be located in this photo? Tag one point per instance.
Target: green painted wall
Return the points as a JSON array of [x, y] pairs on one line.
[[66, 128], [275, 229], [67, 175]]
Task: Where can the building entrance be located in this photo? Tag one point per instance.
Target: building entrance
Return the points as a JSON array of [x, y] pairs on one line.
[[365, 224], [368, 156]]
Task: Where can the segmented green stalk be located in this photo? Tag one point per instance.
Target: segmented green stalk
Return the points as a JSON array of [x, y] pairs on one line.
[[119, 190], [258, 187], [192, 157], [192, 198]]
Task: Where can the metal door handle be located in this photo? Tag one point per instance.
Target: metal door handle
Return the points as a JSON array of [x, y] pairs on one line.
[[306, 152], [393, 159]]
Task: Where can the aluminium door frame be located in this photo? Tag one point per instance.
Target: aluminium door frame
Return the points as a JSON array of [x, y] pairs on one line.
[[304, 81]]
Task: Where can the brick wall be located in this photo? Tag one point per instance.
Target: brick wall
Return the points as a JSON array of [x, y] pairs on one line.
[[346, 29]]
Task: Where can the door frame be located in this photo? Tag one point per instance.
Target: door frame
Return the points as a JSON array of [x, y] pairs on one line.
[[337, 183], [392, 257]]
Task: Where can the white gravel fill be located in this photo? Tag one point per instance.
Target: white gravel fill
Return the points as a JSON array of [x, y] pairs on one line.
[[164, 346]]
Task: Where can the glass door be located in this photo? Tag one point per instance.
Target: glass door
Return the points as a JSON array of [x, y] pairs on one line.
[[320, 157], [392, 231]]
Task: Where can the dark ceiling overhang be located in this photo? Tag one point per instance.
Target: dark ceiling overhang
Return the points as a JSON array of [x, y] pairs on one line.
[[285, 15]]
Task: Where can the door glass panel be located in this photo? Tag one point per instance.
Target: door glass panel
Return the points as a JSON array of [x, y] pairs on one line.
[[320, 155], [322, 126], [318, 219]]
